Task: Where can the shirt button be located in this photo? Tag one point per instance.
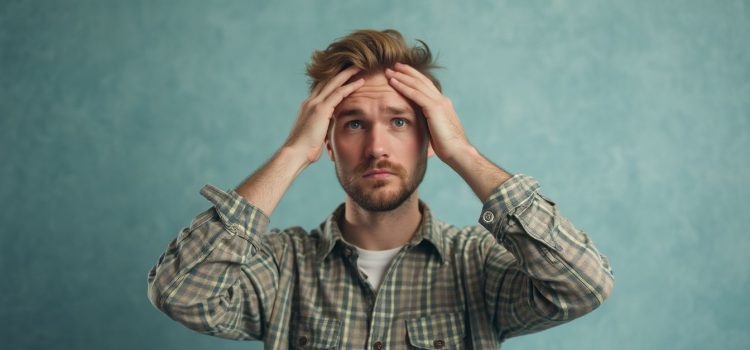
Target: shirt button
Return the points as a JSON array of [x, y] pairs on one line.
[[438, 343], [302, 341], [488, 216], [348, 252], [378, 345]]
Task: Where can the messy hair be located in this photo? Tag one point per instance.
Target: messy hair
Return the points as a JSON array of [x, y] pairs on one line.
[[371, 51]]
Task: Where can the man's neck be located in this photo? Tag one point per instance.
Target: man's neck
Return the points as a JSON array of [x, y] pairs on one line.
[[381, 230]]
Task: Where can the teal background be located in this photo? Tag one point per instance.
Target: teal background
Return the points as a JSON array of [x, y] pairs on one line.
[[633, 116]]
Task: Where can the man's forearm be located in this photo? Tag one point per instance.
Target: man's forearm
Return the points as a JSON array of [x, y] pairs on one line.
[[267, 185], [482, 175]]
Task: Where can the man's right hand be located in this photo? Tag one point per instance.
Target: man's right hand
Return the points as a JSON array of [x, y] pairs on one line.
[[310, 129], [267, 185]]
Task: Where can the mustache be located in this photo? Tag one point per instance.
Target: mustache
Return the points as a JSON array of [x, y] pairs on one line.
[[382, 164]]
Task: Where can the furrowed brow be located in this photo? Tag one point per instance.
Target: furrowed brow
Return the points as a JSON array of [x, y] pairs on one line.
[[350, 112], [398, 111], [357, 112]]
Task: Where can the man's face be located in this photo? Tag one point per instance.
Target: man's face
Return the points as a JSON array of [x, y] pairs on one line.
[[379, 145]]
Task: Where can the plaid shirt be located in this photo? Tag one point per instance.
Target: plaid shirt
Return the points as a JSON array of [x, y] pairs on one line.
[[526, 268]]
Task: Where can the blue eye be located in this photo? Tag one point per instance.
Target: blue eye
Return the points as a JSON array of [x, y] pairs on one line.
[[354, 124], [399, 122]]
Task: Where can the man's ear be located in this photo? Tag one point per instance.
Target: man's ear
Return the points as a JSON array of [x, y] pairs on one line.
[[425, 125], [329, 147]]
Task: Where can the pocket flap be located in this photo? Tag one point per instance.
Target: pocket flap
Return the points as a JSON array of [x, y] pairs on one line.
[[316, 333], [436, 331]]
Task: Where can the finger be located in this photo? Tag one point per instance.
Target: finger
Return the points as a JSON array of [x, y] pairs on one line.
[[409, 70], [413, 82], [337, 81], [411, 93], [317, 89], [341, 92]]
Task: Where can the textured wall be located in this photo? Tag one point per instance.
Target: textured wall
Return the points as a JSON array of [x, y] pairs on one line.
[[632, 115]]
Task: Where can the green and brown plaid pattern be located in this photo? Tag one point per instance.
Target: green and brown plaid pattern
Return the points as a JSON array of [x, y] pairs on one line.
[[525, 268]]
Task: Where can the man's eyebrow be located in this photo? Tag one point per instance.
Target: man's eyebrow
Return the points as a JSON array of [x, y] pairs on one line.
[[398, 111], [350, 112], [355, 111]]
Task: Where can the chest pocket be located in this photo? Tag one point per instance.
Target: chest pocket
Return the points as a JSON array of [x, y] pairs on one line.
[[441, 331], [316, 333]]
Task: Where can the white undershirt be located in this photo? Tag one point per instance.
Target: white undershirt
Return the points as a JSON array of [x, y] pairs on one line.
[[374, 263]]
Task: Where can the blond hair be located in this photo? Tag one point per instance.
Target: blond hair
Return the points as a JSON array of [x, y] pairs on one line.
[[372, 51]]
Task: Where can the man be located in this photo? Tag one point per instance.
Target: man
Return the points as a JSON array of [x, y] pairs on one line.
[[381, 271]]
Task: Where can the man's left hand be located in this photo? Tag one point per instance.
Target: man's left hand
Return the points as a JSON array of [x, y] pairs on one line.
[[447, 135]]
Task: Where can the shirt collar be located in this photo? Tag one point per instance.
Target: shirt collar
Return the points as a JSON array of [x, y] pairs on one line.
[[427, 231]]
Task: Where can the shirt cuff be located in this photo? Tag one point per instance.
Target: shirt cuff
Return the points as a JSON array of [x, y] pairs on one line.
[[506, 199], [238, 215], [515, 198]]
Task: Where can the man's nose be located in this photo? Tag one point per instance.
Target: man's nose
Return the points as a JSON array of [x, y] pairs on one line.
[[377, 142]]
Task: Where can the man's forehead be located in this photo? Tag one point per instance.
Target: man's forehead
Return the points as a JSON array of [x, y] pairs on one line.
[[375, 92]]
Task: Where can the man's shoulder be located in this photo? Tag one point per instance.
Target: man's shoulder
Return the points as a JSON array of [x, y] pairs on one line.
[[456, 237], [293, 239], [292, 234]]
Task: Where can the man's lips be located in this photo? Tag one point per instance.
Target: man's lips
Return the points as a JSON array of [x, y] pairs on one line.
[[377, 173]]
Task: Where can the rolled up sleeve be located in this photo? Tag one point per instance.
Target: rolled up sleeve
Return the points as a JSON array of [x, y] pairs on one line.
[[544, 271], [216, 277]]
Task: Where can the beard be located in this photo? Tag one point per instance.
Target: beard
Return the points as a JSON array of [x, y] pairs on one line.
[[371, 195]]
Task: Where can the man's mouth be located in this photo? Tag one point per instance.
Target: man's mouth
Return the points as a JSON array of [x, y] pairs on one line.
[[377, 174]]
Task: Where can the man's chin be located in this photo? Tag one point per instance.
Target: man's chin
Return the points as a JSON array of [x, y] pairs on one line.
[[377, 206], [379, 200]]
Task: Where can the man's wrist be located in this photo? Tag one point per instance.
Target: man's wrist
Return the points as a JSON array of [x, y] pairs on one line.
[[462, 157], [294, 158], [480, 173]]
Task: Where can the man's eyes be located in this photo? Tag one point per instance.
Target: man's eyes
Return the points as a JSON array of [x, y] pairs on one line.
[[356, 124]]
